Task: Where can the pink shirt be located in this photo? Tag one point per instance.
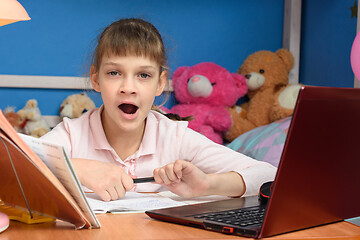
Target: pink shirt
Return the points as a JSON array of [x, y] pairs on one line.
[[164, 142]]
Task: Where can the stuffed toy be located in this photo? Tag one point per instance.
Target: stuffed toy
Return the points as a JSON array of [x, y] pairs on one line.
[[75, 105], [270, 95], [205, 91], [13, 118], [32, 121]]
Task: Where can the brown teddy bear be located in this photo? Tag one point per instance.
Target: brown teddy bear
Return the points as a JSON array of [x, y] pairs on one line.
[[271, 97], [75, 105], [13, 118]]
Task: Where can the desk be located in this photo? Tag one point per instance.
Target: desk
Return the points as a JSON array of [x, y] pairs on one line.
[[139, 226]]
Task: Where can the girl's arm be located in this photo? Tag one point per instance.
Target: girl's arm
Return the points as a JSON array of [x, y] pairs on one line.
[[212, 158]]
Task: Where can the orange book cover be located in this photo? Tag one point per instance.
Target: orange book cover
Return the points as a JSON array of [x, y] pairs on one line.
[[25, 177]]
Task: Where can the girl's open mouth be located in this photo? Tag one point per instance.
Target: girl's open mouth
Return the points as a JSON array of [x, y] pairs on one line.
[[128, 108]]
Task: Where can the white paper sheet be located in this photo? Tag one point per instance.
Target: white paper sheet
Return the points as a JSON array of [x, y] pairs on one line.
[[195, 200], [132, 202]]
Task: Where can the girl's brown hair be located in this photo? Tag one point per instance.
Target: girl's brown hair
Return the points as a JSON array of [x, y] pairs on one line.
[[131, 36]]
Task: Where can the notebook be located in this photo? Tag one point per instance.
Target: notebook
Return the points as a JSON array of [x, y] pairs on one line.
[[317, 179]]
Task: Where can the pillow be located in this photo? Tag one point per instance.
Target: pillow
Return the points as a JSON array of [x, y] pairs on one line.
[[264, 143]]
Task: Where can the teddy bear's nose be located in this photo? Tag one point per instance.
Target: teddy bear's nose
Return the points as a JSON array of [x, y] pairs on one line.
[[248, 76], [195, 79], [199, 86]]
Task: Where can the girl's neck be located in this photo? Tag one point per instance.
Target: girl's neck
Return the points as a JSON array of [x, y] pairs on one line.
[[125, 143]]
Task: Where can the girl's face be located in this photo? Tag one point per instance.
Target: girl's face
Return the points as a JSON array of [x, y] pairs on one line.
[[128, 86]]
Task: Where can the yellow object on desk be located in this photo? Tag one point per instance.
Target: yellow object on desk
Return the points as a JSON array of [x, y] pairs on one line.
[[23, 216]]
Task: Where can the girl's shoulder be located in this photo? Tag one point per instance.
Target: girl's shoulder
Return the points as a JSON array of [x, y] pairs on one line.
[[162, 127], [162, 119]]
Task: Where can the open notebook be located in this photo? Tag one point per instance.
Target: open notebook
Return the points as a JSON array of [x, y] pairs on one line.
[[317, 178]]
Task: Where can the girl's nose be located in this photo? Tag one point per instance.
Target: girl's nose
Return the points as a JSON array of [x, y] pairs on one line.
[[128, 86]]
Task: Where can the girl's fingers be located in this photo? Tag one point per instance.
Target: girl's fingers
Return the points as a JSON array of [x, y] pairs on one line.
[[113, 192], [156, 175], [104, 195], [171, 175], [163, 176], [127, 183], [178, 167], [120, 191]]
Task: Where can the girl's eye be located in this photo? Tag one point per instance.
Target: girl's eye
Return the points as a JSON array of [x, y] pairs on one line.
[[113, 73], [144, 75]]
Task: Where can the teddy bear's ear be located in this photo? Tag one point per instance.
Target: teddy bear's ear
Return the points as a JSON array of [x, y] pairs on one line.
[[178, 72], [287, 57], [240, 81]]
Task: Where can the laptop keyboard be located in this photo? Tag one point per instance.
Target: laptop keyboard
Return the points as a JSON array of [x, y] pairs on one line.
[[240, 217]]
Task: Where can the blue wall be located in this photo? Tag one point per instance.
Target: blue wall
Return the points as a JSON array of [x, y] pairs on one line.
[[327, 35], [59, 38]]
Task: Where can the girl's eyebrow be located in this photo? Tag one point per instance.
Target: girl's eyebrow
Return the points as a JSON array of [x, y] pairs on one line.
[[112, 63], [120, 65], [147, 67]]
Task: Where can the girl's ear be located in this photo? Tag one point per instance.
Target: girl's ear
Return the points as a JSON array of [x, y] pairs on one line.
[[162, 83], [94, 77]]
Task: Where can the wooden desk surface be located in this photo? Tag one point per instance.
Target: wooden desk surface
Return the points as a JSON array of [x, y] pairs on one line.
[[140, 226]]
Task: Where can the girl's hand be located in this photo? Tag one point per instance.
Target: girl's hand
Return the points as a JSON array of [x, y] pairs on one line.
[[186, 180], [108, 181], [182, 178]]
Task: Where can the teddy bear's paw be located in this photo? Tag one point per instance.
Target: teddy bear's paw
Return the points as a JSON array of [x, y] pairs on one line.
[[22, 114], [254, 80], [209, 132], [239, 126], [240, 111], [287, 98], [237, 111], [39, 132], [31, 115]]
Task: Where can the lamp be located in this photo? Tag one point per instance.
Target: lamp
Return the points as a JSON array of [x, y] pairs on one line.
[[12, 11]]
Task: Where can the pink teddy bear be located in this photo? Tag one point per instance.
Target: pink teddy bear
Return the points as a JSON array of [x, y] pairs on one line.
[[205, 91]]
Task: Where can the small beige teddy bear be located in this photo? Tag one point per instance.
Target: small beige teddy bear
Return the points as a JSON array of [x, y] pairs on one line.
[[32, 121], [75, 105]]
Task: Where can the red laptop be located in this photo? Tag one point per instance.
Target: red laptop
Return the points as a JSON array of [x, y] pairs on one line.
[[317, 181]]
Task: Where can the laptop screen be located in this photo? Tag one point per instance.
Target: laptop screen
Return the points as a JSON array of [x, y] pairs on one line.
[[318, 174]]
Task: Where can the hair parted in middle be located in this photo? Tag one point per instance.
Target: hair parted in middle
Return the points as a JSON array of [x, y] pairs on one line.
[[130, 36]]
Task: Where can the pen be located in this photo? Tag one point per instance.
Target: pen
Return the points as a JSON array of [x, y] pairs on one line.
[[144, 180]]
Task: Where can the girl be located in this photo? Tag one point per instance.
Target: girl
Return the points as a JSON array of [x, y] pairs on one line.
[[125, 139]]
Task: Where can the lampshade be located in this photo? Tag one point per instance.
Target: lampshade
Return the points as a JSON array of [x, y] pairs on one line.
[[12, 11]]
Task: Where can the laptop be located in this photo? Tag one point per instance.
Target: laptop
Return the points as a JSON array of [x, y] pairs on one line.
[[318, 176]]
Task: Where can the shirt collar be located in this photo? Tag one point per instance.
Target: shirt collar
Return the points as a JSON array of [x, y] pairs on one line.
[[148, 144], [100, 140]]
